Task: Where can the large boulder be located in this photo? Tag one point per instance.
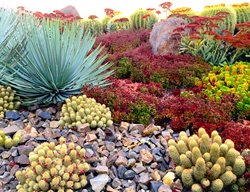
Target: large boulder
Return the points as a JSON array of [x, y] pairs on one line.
[[164, 39], [70, 10]]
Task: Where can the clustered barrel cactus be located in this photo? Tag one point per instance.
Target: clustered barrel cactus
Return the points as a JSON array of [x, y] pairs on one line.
[[143, 19], [8, 100], [8, 142], [230, 19], [205, 163], [242, 11], [80, 110], [54, 167]]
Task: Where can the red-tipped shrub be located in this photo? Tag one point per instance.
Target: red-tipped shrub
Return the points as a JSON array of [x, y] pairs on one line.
[[238, 133]]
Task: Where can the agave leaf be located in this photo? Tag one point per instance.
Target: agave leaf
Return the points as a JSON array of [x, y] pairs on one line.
[[57, 64]]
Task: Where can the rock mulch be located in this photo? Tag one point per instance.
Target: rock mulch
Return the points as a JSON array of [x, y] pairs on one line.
[[125, 157]]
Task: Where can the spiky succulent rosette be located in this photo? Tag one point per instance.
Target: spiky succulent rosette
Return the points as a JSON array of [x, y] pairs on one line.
[[80, 110], [54, 167]]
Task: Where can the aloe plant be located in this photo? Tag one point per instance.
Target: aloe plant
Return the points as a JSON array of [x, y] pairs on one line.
[[57, 64]]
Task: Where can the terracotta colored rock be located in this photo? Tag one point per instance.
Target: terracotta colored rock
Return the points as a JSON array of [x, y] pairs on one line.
[[146, 156], [161, 38]]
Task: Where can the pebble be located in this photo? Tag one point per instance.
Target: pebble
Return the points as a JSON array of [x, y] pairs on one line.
[[24, 149], [129, 174], [54, 124], [22, 159], [45, 115], [12, 115], [146, 156], [164, 188], [121, 161], [120, 171], [101, 169], [90, 137], [11, 129], [98, 183], [155, 185]]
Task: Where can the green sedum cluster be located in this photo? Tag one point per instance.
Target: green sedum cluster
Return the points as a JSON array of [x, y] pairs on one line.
[[8, 142], [54, 167], [230, 19], [80, 110], [8, 100], [226, 80], [204, 163]]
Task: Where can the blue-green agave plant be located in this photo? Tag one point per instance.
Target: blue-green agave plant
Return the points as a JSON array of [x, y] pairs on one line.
[[11, 37], [58, 62]]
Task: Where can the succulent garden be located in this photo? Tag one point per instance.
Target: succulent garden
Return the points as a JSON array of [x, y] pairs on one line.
[[158, 101]]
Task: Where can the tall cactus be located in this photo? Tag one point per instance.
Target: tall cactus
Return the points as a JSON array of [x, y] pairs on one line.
[[92, 25], [228, 22], [117, 23], [143, 19], [242, 11], [184, 11]]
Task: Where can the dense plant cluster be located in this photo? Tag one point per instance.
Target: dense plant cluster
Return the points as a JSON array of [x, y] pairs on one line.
[[8, 100], [206, 40], [169, 70], [205, 163], [7, 141], [54, 167], [80, 110], [122, 41], [132, 102], [238, 133], [228, 80], [194, 111]]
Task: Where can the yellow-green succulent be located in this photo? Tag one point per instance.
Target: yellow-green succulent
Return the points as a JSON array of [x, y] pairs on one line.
[[212, 165]]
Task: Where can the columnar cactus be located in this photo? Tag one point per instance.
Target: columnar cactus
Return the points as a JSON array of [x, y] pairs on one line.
[[8, 100], [81, 110], [204, 163], [230, 19], [242, 12], [54, 167], [143, 19]]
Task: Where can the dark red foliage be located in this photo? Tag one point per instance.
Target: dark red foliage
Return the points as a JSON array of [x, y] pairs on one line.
[[238, 133], [122, 41], [173, 71], [123, 95], [196, 111]]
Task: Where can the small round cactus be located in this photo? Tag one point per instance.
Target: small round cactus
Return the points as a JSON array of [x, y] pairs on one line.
[[7, 141], [8, 100], [80, 110], [54, 167], [206, 164]]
